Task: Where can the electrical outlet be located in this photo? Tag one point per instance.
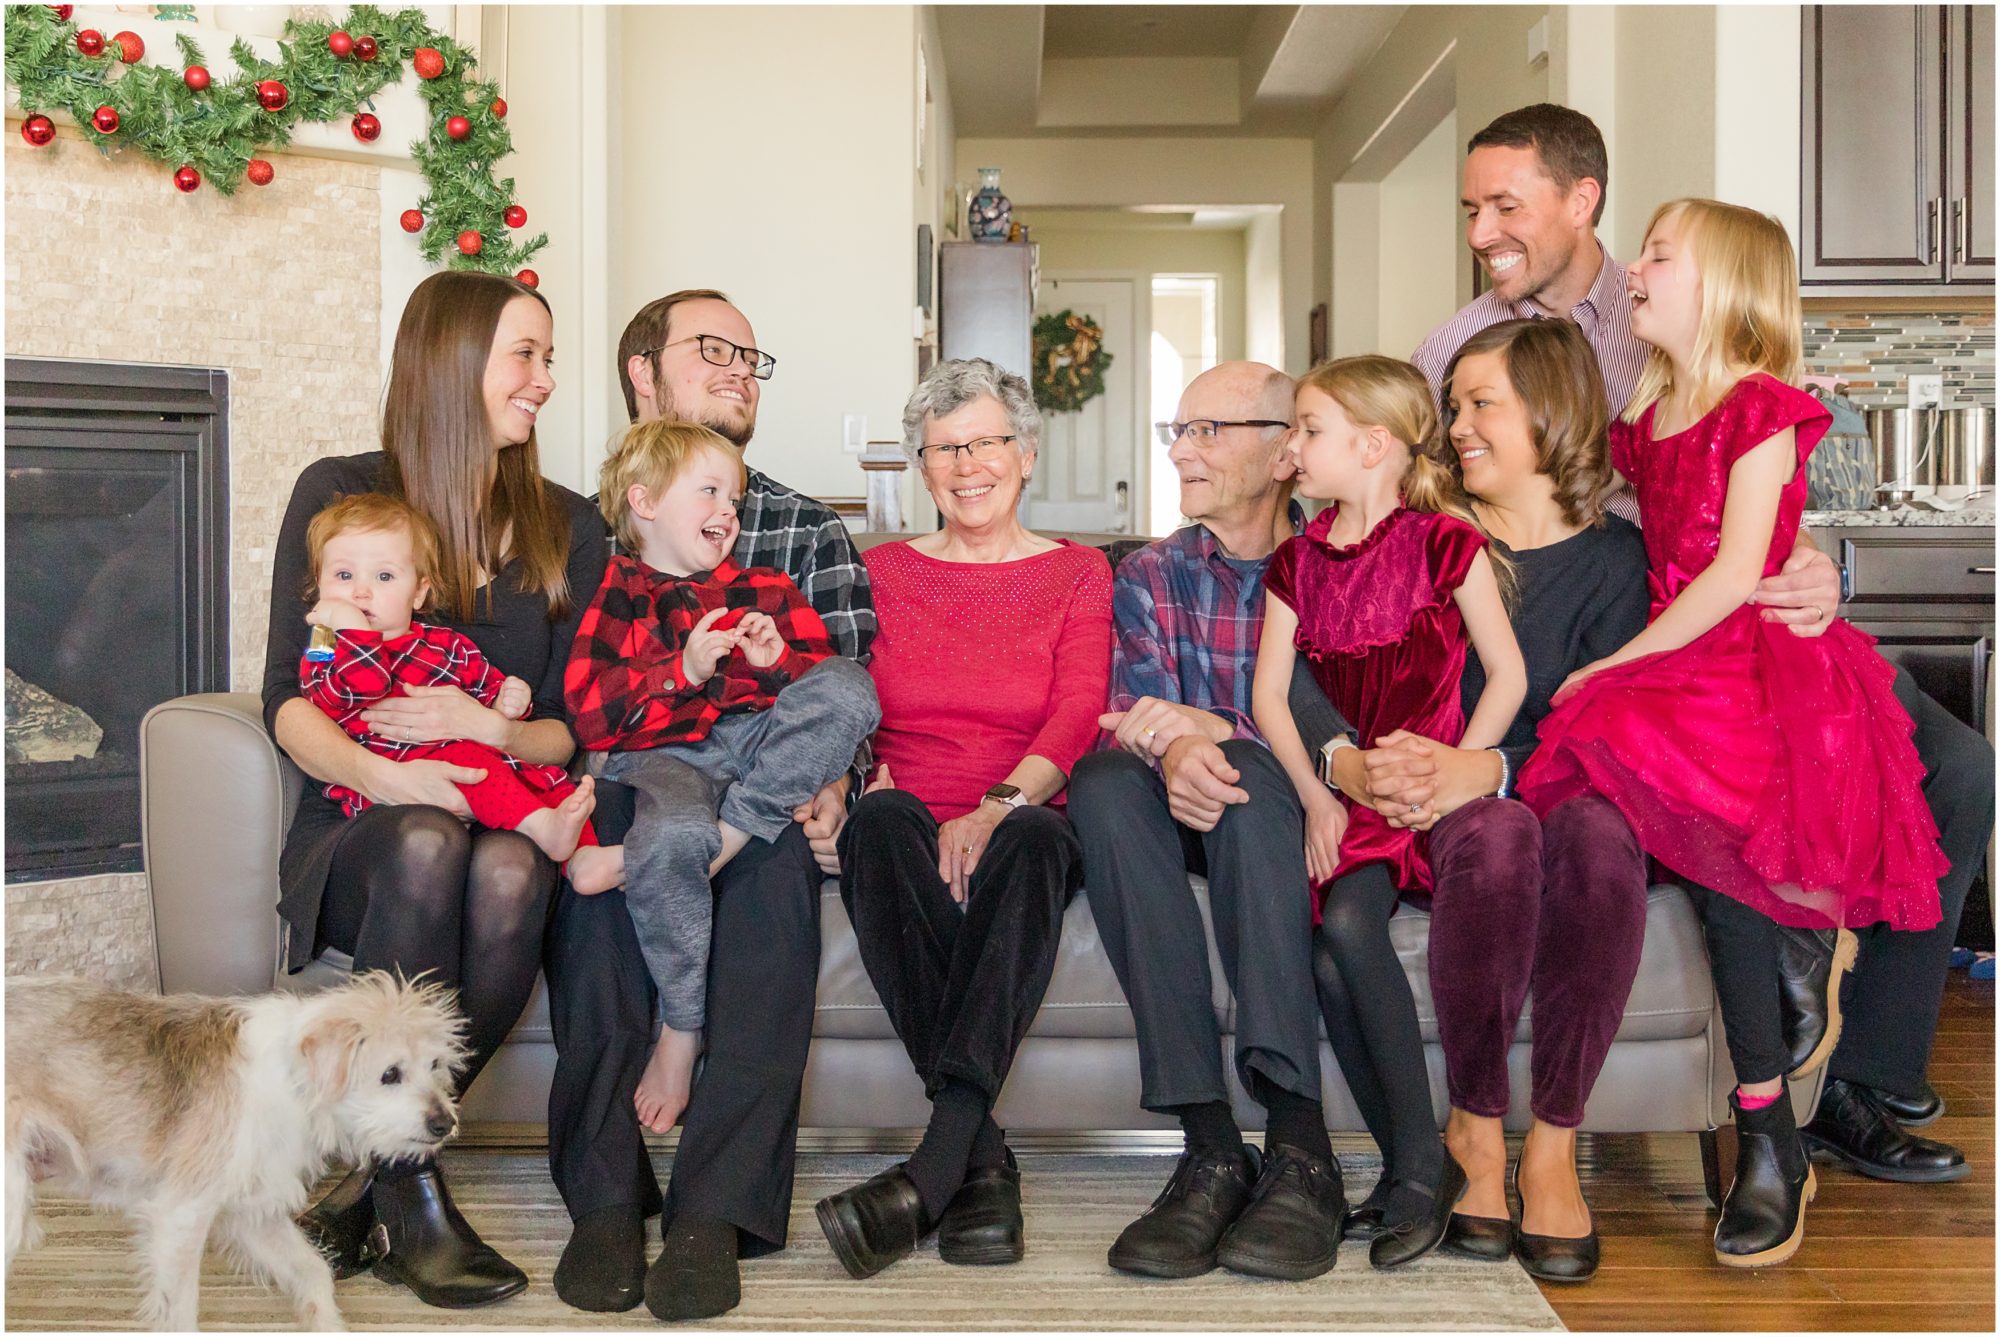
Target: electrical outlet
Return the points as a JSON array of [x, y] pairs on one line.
[[1926, 392], [854, 433]]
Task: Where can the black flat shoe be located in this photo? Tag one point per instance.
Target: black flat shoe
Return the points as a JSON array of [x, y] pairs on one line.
[[427, 1246], [1178, 1234], [1811, 965], [1763, 1217], [1290, 1230], [695, 1276], [1852, 1127], [1555, 1257], [1921, 1112], [603, 1267], [874, 1223], [981, 1224], [1411, 1240], [338, 1225], [1364, 1220], [1486, 1238]]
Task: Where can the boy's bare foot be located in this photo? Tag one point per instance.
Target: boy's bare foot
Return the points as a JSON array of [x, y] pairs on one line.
[[556, 830], [733, 842], [663, 1087], [596, 868]]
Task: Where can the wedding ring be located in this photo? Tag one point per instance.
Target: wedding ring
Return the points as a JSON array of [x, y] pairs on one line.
[[1151, 732], [1819, 614], [1416, 807], [967, 849]]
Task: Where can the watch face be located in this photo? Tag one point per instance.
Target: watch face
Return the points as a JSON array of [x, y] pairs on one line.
[[1005, 793]]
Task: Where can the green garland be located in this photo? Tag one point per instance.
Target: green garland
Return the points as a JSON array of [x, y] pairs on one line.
[[218, 130], [1070, 361]]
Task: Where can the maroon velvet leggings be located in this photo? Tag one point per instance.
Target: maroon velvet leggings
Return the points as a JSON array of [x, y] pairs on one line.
[[1557, 907]]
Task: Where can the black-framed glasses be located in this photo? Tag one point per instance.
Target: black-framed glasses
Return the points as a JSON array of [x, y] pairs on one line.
[[1204, 430], [719, 351], [985, 449]]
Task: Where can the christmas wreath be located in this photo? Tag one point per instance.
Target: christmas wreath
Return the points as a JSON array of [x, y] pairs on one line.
[[211, 130], [1070, 361]]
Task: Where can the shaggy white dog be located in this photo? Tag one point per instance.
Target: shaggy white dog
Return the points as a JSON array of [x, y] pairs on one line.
[[217, 1114]]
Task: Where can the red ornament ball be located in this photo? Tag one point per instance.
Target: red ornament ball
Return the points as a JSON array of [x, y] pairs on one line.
[[187, 180], [90, 42], [63, 12], [105, 120], [499, 108], [196, 77], [458, 127], [340, 42], [273, 95], [38, 130], [366, 127], [529, 277], [516, 216], [131, 49], [413, 220], [428, 62], [365, 47], [259, 172], [469, 242]]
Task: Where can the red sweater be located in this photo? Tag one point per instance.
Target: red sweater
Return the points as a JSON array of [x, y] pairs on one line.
[[979, 665]]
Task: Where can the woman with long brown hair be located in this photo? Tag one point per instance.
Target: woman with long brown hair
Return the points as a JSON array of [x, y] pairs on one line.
[[409, 885]]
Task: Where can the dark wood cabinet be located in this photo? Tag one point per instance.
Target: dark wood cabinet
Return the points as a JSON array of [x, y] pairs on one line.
[[1896, 131], [1926, 594]]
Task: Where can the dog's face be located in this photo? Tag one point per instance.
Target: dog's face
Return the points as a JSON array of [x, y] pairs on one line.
[[381, 1055]]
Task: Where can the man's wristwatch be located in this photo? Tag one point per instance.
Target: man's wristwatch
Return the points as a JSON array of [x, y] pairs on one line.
[[1010, 795], [1333, 745]]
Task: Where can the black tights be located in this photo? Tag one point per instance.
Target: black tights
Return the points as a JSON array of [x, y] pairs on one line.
[[411, 889], [1371, 1022]]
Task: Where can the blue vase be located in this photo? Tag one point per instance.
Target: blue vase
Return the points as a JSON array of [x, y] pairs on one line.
[[990, 216]]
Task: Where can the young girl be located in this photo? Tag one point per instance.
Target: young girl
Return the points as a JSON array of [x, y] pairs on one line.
[[1775, 769], [1380, 594], [373, 559]]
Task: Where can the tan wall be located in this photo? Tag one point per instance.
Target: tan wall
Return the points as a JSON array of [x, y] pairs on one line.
[[1420, 242], [1664, 147], [279, 287]]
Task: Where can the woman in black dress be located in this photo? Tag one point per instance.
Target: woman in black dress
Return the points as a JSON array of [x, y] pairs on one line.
[[408, 885]]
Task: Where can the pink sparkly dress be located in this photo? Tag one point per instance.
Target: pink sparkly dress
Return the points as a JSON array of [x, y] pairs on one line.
[[1777, 769]]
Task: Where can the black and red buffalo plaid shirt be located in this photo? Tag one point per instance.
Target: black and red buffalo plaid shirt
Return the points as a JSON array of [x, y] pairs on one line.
[[624, 686]]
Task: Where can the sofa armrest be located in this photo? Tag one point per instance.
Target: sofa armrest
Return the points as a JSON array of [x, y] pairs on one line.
[[216, 797]]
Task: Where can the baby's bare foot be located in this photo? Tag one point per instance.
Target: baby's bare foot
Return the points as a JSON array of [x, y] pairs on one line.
[[596, 868], [558, 829], [663, 1087]]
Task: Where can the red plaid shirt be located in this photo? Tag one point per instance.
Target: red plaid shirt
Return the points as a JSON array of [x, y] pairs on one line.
[[624, 686], [367, 668]]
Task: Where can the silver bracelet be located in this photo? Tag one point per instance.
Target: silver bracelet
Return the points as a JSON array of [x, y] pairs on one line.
[[1506, 774]]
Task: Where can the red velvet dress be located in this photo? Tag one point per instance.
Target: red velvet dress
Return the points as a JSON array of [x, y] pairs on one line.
[[1385, 641], [1774, 768]]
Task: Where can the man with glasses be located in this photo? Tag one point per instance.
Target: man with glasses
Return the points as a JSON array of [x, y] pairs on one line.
[[1191, 787], [693, 356]]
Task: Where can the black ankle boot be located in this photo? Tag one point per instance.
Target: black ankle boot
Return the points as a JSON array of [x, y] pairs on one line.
[[1764, 1214], [338, 1225], [427, 1246]]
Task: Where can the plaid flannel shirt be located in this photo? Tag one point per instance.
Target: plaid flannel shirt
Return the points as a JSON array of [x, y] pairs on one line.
[[1185, 626], [792, 533], [367, 668], [625, 687]]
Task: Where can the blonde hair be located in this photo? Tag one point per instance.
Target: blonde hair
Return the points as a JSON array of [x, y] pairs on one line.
[[1378, 391], [1750, 317], [372, 513], [652, 454]]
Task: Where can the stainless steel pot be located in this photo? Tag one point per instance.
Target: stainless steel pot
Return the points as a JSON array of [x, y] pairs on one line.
[[1965, 452], [1905, 446]]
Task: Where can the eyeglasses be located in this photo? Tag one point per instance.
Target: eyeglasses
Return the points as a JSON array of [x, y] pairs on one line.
[[939, 457], [721, 352], [1204, 430]]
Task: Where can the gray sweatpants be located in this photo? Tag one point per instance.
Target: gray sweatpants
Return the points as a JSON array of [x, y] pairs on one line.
[[751, 771]]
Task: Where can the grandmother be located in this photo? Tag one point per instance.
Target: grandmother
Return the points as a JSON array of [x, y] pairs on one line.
[[992, 660]]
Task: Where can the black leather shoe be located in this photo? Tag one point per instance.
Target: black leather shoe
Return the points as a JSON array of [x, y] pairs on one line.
[[1178, 1234], [1851, 1127], [981, 1224], [1486, 1238], [695, 1275], [1290, 1229], [1411, 1240], [1364, 1220], [1764, 1213], [1811, 965], [427, 1246], [603, 1267], [1553, 1257], [338, 1225], [1921, 1112], [874, 1223]]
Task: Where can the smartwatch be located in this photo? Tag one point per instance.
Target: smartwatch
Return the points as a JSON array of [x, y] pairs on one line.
[[1325, 767], [1010, 795]]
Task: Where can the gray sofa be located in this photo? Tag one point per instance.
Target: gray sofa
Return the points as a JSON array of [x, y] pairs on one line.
[[218, 795]]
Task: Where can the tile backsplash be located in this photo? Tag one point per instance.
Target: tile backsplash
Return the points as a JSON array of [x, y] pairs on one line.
[[1876, 351]]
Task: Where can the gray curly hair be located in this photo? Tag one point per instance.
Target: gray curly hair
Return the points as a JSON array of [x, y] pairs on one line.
[[950, 386]]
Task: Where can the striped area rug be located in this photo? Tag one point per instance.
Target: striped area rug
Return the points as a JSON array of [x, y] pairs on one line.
[[82, 1276]]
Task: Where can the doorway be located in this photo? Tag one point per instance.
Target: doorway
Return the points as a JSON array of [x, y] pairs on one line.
[[1092, 464]]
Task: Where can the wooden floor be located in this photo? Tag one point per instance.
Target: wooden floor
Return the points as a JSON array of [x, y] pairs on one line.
[[1877, 1256]]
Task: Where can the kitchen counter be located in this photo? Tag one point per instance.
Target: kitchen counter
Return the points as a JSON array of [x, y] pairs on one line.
[[1977, 516]]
